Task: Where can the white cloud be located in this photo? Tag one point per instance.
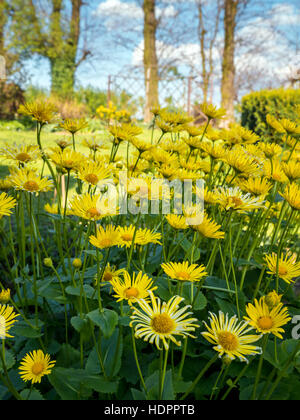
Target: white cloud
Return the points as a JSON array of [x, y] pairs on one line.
[[285, 14], [113, 10], [117, 8]]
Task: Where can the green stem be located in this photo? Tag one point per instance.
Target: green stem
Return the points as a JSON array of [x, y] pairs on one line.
[[201, 374]]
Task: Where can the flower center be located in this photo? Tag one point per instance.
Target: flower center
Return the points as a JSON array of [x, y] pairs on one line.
[[131, 292], [163, 324], [68, 164], [276, 177], [282, 271], [37, 368], [183, 275], [127, 237], [237, 201], [106, 243], [265, 323], [107, 277], [91, 179], [31, 186], [93, 212], [23, 157], [228, 341]]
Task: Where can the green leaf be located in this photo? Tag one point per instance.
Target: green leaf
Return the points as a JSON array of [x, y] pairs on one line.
[[201, 301], [100, 384], [106, 321], [181, 386], [284, 351], [68, 383], [226, 307], [138, 395], [152, 385], [68, 356], [82, 326], [187, 246], [21, 329], [9, 360], [53, 292], [76, 291], [31, 395], [111, 351]]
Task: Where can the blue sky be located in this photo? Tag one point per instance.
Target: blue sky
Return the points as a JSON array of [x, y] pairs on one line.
[[271, 56]]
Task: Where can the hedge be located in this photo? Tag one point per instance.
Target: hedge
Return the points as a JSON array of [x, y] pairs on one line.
[[280, 103]]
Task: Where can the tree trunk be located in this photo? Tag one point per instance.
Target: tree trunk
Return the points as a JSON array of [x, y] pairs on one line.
[[63, 60], [228, 66], [2, 25], [62, 76], [150, 58]]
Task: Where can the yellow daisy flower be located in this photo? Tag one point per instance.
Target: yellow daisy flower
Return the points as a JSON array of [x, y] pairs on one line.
[[5, 184], [63, 143], [273, 170], [193, 142], [234, 199], [41, 111], [126, 236], [177, 221], [132, 288], [158, 155], [147, 236], [141, 145], [110, 274], [270, 149], [175, 118], [4, 296], [292, 195], [212, 112], [105, 237], [94, 144], [7, 320], [124, 132], [274, 123], [209, 197], [209, 229], [73, 125], [27, 180], [239, 135], [184, 271], [86, 206], [7, 203], [231, 337], [273, 299], [35, 365], [168, 171], [67, 159], [292, 170], [216, 151], [256, 186], [53, 209], [20, 153], [171, 146], [93, 172], [288, 268], [241, 162], [289, 126], [162, 321], [266, 320]]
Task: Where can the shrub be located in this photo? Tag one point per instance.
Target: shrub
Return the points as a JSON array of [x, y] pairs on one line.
[[279, 102], [11, 96]]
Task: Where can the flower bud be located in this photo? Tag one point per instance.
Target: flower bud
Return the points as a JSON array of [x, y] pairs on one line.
[[5, 296], [48, 262], [77, 263]]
